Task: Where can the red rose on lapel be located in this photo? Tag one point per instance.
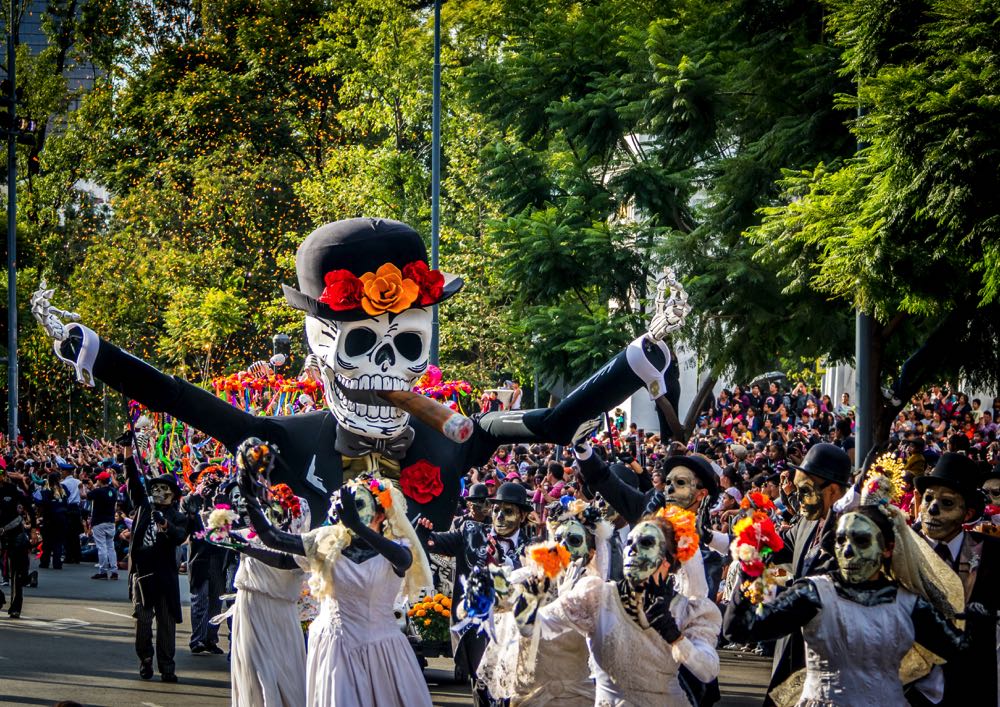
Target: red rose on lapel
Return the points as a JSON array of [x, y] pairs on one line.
[[421, 481]]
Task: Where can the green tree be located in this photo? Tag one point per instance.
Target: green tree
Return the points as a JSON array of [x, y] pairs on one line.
[[907, 230]]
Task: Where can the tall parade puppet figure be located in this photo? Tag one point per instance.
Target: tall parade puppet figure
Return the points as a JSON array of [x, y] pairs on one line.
[[367, 293]]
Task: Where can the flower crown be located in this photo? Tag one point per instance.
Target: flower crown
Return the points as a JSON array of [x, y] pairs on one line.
[[685, 532], [885, 481], [283, 495], [757, 501], [386, 290], [379, 488]]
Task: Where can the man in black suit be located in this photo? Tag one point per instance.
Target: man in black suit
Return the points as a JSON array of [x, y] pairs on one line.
[[950, 498]]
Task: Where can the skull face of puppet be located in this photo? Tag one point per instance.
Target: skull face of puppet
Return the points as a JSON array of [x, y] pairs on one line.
[[682, 487], [387, 352], [604, 508], [507, 518], [942, 512], [364, 501], [645, 550], [162, 494], [238, 502], [572, 535], [860, 547]]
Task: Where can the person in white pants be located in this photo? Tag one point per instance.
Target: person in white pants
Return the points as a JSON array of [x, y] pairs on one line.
[[103, 499]]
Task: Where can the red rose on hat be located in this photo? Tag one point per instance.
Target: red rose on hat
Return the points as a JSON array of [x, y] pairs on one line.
[[343, 290], [431, 282], [421, 481]]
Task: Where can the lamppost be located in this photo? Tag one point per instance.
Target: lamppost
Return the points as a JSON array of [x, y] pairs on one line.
[[11, 104], [436, 173]]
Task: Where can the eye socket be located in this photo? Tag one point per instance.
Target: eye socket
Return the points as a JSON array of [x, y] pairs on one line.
[[841, 538], [409, 344], [862, 540], [574, 540], [647, 542], [359, 341]]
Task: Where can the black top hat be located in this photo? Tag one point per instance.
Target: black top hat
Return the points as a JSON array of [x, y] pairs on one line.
[[510, 492], [958, 473], [827, 461], [361, 267], [477, 493], [701, 467]]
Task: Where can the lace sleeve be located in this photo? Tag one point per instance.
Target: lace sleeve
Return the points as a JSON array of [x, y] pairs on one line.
[[700, 623], [574, 610]]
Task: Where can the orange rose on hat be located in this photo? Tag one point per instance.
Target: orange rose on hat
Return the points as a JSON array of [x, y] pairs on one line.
[[388, 291]]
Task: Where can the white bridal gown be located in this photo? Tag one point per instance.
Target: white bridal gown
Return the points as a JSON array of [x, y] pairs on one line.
[[357, 656]]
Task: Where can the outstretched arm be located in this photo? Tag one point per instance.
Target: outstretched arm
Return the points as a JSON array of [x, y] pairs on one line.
[[790, 610], [271, 558], [629, 502]]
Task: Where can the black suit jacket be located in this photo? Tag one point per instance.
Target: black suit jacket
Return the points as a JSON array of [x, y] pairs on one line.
[[311, 465]]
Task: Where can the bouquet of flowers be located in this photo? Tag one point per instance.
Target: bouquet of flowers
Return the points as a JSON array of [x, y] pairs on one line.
[[431, 617], [549, 559], [755, 540], [219, 523]]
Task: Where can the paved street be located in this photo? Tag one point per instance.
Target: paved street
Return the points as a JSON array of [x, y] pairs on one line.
[[74, 641]]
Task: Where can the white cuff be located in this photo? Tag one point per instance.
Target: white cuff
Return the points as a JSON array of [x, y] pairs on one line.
[[587, 453], [84, 363], [681, 650], [651, 377]]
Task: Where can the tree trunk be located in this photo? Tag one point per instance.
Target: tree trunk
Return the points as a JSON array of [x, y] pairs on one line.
[[700, 398]]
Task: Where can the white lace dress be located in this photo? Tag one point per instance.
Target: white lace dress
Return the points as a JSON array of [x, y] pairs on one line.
[[635, 667], [358, 657]]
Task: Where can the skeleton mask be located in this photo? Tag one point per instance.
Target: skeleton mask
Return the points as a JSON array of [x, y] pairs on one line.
[[572, 535], [387, 352], [162, 494], [682, 487], [810, 496], [942, 512], [507, 518], [859, 548], [645, 550], [239, 503], [991, 487], [363, 499]]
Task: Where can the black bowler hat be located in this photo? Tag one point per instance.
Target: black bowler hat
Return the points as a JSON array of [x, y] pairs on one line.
[[701, 467], [827, 461], [958, 473], [333, 259], [477, 493], [510, 492]]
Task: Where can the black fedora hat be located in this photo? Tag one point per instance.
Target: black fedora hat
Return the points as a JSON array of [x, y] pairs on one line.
[[701, 467], [958, 473], [478, 493], [510, 492], [827, 461], [362, 267]]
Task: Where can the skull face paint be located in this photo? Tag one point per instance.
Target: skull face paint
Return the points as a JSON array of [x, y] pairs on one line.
[[859, 548], [387, 352], [810, 496], [682, 487], [645, 550], [573, 537], [507, 518], [991, 487], [942, 512], [364, 501], [162, 494]]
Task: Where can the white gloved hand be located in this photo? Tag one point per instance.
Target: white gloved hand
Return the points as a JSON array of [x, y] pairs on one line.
[[312, 369], [51, 318], [670, 312]]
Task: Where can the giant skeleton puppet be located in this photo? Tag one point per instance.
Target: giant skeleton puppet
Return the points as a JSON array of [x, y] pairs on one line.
[[367, 293]]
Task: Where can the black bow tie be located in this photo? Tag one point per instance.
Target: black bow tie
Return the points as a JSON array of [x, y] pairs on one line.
[[354, 445]]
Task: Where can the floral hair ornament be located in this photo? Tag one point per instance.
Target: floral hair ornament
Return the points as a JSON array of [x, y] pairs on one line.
[[283, 495], [685, 532], [757, 501], [755, 540]]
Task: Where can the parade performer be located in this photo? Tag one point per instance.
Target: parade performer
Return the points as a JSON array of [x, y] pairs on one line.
[[268, 656], [476, 545], [949, 498], [357, 655], [643, 629], [517, 665], [158, 528], [368, 294], [887, 592]]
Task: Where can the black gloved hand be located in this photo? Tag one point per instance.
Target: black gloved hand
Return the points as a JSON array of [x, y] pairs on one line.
[[124, 438], [705, 521], [656, 501], [347, 509], [975, 610], [661, 620], [254, 460]]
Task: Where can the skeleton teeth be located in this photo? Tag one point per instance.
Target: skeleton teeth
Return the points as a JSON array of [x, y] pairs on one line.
[[362, 409]]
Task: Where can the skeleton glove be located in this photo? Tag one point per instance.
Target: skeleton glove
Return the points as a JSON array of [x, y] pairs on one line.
[[661, 620]]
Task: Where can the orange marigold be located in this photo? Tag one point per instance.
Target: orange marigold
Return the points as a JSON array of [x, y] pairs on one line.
[[685, 530], [552, 558]]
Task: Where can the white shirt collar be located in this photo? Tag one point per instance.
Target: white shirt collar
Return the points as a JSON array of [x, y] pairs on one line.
[[955, 544]]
